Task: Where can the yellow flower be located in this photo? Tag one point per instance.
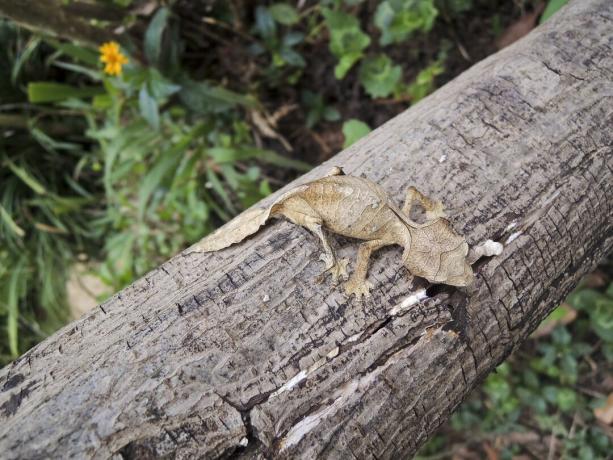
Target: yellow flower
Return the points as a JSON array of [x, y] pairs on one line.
[[112, 58]]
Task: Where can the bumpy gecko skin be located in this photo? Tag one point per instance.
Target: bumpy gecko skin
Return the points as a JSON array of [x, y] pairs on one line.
[[359, 208]]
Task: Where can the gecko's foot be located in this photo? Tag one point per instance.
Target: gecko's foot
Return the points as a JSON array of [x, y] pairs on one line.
[[358, 287], [338, 270], [329, 261]]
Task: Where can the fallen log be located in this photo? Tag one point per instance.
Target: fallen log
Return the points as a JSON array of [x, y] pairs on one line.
[[240, 353]]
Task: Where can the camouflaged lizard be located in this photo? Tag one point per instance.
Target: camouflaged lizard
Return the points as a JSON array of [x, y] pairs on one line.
[[358, 208]]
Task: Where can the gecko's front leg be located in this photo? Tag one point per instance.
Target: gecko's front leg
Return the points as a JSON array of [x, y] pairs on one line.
[[357, 283], [336, 267]]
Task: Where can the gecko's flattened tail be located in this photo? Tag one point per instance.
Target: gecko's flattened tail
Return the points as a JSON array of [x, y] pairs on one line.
[[234, 231]]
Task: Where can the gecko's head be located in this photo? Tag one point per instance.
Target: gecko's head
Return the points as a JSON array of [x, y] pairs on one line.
[[436, 252]]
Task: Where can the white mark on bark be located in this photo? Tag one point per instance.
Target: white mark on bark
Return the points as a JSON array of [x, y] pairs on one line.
[[243, 442], [513, 236], [442, 158], [354, 337], [511, 226], [409, 302], [266, 298], [342, 395], [304, 373]]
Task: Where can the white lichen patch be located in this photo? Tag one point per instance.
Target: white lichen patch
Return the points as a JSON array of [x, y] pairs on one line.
[[442, 158]]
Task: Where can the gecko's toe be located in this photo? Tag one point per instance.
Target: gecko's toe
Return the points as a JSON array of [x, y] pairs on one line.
[[328, 260], [361, 288], [338, 270]]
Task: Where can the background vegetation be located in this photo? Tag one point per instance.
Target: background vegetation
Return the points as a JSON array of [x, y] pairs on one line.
[[221, 102]]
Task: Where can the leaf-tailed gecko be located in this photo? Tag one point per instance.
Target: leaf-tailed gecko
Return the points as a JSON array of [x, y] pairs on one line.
[[358, 208]]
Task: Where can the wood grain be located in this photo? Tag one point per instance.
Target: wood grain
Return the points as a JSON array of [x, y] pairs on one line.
[[242, 353]]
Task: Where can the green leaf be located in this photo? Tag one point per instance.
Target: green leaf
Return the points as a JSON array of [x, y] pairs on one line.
[[424, 83], [397, 19], [379, 76], [347, 41], [10, 223], [222, 155], [353, 130], [149, 108], [154, 35], [87, 56], [566, 399], [43, 92], [552, 7], [284, 13], [202, 97], [264, 22], [27, 178]]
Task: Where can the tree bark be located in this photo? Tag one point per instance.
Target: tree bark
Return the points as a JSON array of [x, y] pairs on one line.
[[241, 353]]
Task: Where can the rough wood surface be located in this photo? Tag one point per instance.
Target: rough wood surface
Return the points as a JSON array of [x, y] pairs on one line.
[[241, 353]]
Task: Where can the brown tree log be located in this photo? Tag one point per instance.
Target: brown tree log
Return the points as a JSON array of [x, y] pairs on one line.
[[242, 353]]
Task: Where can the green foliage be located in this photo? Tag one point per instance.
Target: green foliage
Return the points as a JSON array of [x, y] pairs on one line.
[[599, 307], [379, 76], [354, 130], [347, 41], [537, 389], [120, 173], [424, 83], [552, 7], [397, 19], [317, 110]]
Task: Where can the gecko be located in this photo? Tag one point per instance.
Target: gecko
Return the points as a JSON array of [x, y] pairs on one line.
[[358, 208]]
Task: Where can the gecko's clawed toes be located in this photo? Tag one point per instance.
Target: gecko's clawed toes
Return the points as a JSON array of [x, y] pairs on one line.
[[338, 270], [361, 288]]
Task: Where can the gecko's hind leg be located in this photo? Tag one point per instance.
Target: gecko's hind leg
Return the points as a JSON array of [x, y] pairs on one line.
[[358, 284], [433, 208]]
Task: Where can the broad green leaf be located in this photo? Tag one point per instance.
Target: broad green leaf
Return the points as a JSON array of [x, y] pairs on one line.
[[149, 108], [379, 76], [284, 13], [43, 92], [154, 35], [353, 130], [347, 41], [264, 22], [552, 7]]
